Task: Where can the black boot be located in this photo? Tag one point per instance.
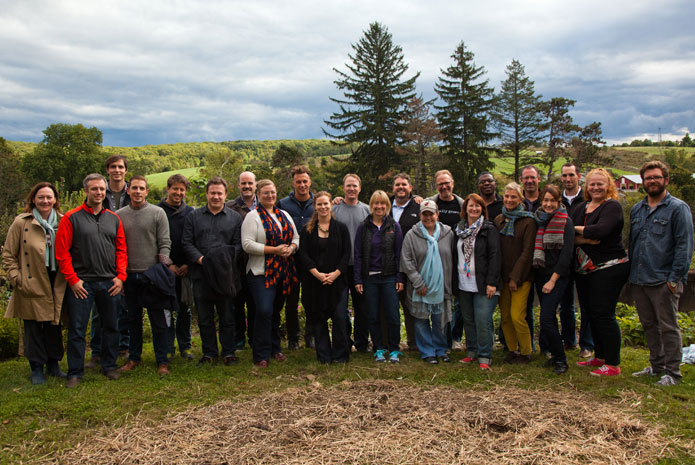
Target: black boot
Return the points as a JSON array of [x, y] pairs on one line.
[[37, 376], [560, 367], [53, 369]]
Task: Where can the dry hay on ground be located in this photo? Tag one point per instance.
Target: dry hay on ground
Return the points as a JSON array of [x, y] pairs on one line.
[[387, 423]]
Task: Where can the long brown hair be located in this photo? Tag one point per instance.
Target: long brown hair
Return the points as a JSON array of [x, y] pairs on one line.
[[29, 201], [315, 217]]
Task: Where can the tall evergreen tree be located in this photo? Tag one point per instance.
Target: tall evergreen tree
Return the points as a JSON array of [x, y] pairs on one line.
[[516, 114], [560, 129], [375, 96], [464, 118], [588, 147]]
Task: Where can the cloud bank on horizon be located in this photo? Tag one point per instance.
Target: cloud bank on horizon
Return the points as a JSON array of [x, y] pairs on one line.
[[164, 72]]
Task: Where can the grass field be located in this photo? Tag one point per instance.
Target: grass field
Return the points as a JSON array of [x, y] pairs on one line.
[[654, 150], [41, 421], [159, 180]]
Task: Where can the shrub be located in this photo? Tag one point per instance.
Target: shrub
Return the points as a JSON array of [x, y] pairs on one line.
[[633, 333]]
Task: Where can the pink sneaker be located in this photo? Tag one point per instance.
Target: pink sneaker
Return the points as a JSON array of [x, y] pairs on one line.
[[606, 370], [484, 366], [468, 360], [592, 362]]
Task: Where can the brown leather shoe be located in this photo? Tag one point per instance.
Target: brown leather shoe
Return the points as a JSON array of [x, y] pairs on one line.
[[129, 366], [261, 364], [113, 375], [73, 382], [279, 356], [93, 363], [163, 369]]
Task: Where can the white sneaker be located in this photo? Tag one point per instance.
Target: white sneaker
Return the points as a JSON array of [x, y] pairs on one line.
[[456, 345], [667, 380], [645, 372]]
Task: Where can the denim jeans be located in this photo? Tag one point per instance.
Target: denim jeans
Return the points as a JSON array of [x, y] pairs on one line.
[[568, 320], [266, 331], [95, 331], [206, 301], [476, 312], [134, 288], [78, 312], [382, 289], [549, 304], [180, 328], [455, 332], [430, 340]]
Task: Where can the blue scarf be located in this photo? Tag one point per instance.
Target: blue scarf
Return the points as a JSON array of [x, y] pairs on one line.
[[512, 216], [49, 227], [432, 271]]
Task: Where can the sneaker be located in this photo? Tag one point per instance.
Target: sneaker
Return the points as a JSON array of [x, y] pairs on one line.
[[380, 355], [468, 360], [187, 354], [584, 353], [456, 345], [430, 360], [445, 359], [592, 362], [667, 380], [484, 366], [393, 357], [606, 370], [648, 371]]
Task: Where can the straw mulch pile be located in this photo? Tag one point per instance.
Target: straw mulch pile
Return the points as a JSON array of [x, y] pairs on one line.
[[387, 423]]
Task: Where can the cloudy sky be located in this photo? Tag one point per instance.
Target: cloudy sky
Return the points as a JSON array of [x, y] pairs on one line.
[[152, 72]]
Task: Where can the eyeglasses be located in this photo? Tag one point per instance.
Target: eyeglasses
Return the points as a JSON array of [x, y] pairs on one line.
[[653, 178]]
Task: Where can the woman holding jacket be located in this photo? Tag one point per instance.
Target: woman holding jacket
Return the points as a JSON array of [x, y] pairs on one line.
[[270, 239], [426, 259], [478, 277], [552, 260], [38, 287], [517, 235], [323, 259]]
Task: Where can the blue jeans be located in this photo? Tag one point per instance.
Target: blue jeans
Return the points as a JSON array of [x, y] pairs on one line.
[[549, 304], [568, 320], [206, 300], [382, 289], [180, 328], [430, 340], [95, 331], [134, 288], [476, 312], [78, 311], [266, 329]]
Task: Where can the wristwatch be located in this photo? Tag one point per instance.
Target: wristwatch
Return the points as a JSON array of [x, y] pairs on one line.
[[672, 284]]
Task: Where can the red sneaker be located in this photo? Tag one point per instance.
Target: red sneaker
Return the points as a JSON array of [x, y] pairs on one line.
[[484, 366], [606, 370], [593, 362], [468, 360]]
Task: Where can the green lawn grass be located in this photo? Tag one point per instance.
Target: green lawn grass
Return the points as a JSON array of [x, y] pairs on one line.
[[654, 150], [39, 421], [159, 180]]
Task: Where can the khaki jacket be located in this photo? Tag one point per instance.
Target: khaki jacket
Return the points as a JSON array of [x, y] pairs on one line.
[[23, 260]]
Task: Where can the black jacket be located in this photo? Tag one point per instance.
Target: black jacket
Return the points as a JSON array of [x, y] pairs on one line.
[[177, 218], [409, 217], [161, 289], [220, 271], [487, 254]]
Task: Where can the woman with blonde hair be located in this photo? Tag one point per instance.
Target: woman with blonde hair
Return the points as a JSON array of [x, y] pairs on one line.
[[38, 287], [602, 268], [517, 236], [377, 252], [323, 259]]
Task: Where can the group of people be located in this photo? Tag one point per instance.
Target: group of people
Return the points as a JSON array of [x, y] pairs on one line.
[[448, 261]]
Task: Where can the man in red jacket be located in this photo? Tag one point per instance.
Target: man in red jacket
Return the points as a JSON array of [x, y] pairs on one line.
[[91, 253]]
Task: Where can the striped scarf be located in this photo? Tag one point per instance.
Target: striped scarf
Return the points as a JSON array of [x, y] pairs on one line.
[[278, 270], [550, 233]]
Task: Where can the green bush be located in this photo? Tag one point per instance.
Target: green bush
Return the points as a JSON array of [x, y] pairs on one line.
[[9, 337], [633, 333]]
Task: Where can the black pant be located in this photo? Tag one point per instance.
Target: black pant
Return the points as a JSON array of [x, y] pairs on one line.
[[551, 340], [339, 349], [294, 332], [361, 332], [244, 321], [598, 294], [43, 341]]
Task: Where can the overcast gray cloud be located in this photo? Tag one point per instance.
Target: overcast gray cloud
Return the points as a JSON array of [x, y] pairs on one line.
[[175, 71]]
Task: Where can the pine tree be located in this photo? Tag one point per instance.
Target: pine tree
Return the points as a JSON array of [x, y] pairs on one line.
[[516, 115], [464, 118], [375, 96], [560, 129]]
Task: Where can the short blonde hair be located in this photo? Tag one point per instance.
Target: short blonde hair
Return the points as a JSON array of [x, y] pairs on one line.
[[513, 186], [264, 183], [611, 191], [379, 196]]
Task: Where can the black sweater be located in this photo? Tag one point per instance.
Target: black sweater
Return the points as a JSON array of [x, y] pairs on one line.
[[605, 224]]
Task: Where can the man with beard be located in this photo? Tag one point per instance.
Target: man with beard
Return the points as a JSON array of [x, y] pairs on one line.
[[243, 204], [660, 250]]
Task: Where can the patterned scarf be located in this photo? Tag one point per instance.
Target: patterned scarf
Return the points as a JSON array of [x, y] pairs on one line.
[[468, 234], [278, 270], [550, 233], [49, 228], [512, 216]]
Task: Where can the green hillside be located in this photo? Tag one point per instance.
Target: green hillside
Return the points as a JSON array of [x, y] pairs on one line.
[[159, 180]]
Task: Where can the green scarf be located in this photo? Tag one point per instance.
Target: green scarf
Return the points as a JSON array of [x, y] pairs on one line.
[[50, 228]]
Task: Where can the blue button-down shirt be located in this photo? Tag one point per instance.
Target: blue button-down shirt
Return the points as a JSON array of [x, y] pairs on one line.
[[661, 242]]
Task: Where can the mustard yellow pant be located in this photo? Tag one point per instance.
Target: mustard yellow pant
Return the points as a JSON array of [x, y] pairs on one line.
[[513, 310]]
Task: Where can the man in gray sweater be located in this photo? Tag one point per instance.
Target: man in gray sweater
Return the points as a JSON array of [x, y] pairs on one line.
[[147, 239]]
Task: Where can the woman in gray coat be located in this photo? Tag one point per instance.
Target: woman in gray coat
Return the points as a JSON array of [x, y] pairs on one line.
[[426, 259]]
